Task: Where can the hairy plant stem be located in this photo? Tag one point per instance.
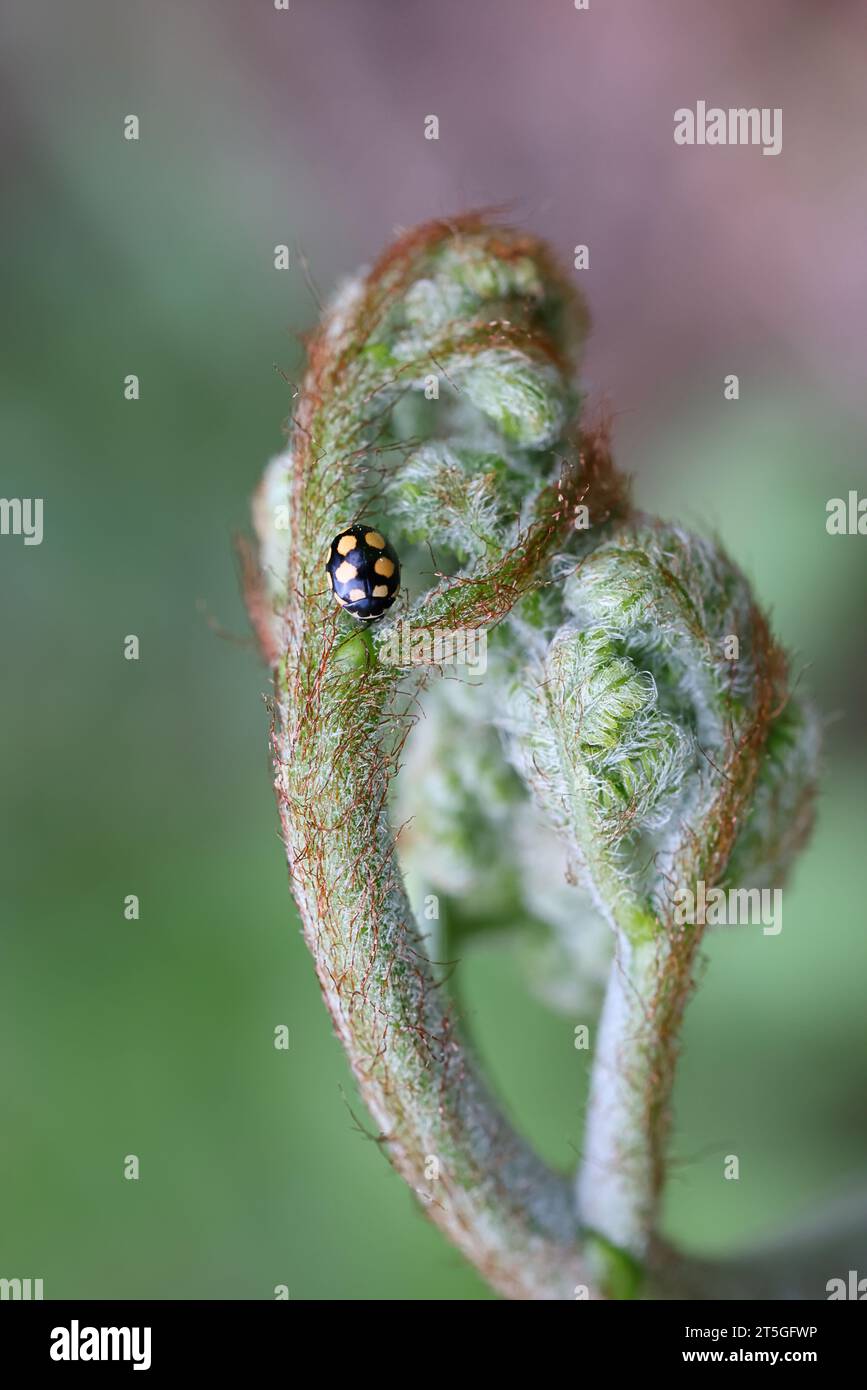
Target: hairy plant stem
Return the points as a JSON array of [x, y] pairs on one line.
[[617, 1179], [511, 1216]]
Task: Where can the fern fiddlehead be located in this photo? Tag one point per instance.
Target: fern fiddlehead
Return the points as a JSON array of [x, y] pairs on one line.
[[645, 742], [439, 405]]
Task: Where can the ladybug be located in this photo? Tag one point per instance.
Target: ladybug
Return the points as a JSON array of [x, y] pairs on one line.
[[363, 571]]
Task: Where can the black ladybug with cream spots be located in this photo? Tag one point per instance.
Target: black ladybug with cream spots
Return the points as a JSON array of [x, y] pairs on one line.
[[363, 571]]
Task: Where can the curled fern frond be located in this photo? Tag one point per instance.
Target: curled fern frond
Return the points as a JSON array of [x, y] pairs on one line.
[[653, 732], [439, 405], [644, 730]]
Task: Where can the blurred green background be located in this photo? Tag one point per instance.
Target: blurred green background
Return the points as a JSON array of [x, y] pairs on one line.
[[152, 777]]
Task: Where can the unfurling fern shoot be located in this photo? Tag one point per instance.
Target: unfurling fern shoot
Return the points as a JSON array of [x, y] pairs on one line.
[[610, 733]]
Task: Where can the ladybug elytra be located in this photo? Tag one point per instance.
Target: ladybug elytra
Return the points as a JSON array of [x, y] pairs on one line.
[[363, 571]]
